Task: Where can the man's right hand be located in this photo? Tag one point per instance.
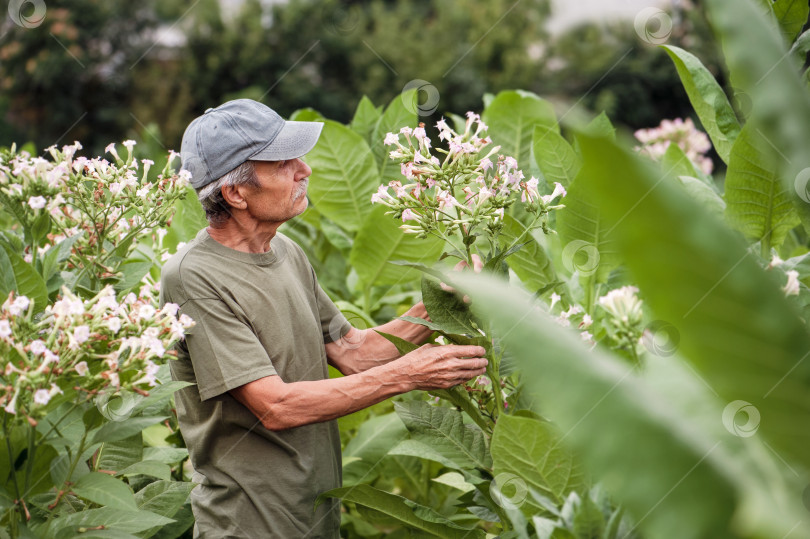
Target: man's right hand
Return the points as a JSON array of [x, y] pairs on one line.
[[440, 367]]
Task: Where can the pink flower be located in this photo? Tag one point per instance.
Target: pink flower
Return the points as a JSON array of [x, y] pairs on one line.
[[37, 202], [408, 215], [82, 368], [37, 347], [390, 138]]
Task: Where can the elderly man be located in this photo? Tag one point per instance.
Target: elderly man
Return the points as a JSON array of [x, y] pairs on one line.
[[259, 420]]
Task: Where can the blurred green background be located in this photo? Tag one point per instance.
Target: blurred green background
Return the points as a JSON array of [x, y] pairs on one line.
[[105, 70]]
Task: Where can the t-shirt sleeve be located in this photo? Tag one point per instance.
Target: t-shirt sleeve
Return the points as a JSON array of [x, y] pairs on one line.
[[333, 324], [224, 350]]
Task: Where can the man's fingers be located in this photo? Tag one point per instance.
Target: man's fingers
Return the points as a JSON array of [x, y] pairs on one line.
[[478, 264], [464, 350]]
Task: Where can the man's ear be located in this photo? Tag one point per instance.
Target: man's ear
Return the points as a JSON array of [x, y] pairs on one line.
[[234, 196]]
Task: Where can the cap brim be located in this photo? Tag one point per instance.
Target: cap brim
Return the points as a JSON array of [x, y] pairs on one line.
[[295, 139]]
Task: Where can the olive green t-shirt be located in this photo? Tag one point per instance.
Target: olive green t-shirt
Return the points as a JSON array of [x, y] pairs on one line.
[[257, 315]]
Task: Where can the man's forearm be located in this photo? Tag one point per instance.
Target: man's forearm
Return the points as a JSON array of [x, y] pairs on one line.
[[366, 349], [280, 405], [409, 331]]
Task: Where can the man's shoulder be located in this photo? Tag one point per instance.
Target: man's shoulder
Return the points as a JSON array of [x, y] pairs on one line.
[[180, 269]]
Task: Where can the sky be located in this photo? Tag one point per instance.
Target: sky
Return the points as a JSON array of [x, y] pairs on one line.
[[567, 13]]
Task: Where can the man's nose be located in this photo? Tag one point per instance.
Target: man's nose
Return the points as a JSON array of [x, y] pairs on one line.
[[305, 169]]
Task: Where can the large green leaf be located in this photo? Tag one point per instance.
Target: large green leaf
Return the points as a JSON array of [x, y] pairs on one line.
[[447, 310], [586, 235], [555, 157], [104, 490], [365, 119], [118, 430], [404, 512], [164, 498], [792, 16], [27, 282], [344, 176], [109, 517], [400, 113], [443, 429], [151, 468], [757, 203], [531, 263], [704, 195], [379, 241], [115, 456], [755, 55], [735, 324], [533, 451], [512, 117], [708, 99], [645, 453], [371, 443]]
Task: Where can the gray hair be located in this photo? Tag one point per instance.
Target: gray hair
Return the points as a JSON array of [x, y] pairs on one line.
[[216, 207]]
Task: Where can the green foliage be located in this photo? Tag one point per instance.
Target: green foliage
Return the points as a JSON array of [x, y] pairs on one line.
[[758, 204], [708, 99]]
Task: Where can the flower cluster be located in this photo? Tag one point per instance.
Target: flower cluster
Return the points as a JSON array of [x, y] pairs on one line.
[[83, 346], [695, 144], [470, 186], [623, 324], [574, 314], [93, 203]]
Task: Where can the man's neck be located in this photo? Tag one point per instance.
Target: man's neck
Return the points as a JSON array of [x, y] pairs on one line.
[[246, 237]]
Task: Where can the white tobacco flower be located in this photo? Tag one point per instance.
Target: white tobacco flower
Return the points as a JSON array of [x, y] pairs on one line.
[[623, 304], [5, 329], [555, 298], [16, 307], [186, 321], [111, 150], [81, 334], [37, 202], [409, 215], [586, 321], [113, 324], [792, 286], [28, 258], [390, 138], [115, 188], [49, 357], [586, 336], [37, 347], [559, 190], [146, 312], [129, 144], [170, 309], [42, 396], [81, 368]]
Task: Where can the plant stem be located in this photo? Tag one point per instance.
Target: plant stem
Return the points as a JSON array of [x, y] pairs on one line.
[[29, 464], [14, 512]]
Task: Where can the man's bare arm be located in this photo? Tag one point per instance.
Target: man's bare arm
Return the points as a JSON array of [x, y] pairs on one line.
[[279, 405], [363, 349]]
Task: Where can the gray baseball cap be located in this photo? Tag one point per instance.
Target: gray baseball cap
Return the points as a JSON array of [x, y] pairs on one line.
[[241, 130]]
